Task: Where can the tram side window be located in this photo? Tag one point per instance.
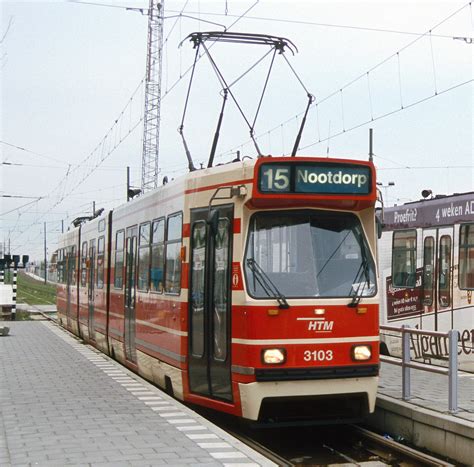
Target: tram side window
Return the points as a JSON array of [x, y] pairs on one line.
[[144, 257], [63, 265], [84, 265], [60, 266], [157, 257], [466, 256], [100, 262], [221, 286], [428, 270], [72, 265], [444, 275], [404, 258], [173, 254], [198, 275], [118, 267]]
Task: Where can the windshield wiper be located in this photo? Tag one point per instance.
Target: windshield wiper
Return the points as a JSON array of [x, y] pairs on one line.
[[267, 285], [363, 269]]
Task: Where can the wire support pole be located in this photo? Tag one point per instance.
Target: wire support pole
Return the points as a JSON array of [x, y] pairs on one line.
[[45, 256], [151, 127], [14, 285]]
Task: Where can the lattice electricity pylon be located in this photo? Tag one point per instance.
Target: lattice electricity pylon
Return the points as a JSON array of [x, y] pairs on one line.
[[151, 122]]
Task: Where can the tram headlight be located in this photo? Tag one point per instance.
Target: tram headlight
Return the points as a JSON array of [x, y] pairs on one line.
[[361, 352], [273, 356]]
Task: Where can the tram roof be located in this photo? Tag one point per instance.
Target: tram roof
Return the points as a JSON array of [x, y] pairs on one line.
[[231, 173], [441, 210]]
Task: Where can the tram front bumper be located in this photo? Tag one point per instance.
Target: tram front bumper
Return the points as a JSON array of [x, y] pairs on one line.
[[252, 395]]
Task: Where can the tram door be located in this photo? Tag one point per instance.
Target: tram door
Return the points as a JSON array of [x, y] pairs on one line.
[[438, 250], [210, 303], [91, 289], [70, 281], [130, 293]]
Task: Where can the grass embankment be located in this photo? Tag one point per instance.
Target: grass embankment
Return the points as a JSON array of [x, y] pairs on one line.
[[34, 292]]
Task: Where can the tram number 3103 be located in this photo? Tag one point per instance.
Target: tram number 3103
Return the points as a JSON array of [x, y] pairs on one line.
[[318, 355]]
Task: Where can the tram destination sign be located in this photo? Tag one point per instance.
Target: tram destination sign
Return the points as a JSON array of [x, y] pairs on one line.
[[314, 178]]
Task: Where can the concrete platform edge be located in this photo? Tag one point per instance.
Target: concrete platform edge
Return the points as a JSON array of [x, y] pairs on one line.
[[441, 434]]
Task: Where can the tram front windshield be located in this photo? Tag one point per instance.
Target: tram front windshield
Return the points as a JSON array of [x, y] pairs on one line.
[[307, 253]]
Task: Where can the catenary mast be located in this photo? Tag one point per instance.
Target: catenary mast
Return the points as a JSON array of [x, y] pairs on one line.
[[151, 124]]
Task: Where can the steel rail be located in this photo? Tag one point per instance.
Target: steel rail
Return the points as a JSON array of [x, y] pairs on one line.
[[272, 456], [407, 451]]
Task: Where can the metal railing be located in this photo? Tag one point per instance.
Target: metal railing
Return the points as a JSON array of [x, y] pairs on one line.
[[406, 363]]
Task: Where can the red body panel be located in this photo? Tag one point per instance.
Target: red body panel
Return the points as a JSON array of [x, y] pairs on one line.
[[254, 323]]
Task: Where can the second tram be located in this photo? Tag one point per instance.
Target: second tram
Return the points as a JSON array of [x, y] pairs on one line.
[[426, 260]]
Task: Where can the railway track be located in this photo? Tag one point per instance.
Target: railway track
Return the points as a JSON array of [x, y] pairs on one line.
[[365, 448], [326, 445]]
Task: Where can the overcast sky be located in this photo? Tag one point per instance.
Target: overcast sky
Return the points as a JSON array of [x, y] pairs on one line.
[[68, 70]]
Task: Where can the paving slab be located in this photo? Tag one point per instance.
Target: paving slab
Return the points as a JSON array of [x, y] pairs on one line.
[[429, 390], [424, 419], [59, 406]]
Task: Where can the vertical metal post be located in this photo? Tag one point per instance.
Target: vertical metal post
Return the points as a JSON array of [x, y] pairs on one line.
[[93, 208], [62, 225], [371, 153], [453, 370], [2, 275], [128, 184], [45, 257], [406, 387], [15, 274]]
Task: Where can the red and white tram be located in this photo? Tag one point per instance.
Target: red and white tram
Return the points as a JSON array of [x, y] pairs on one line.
[[426, 261], [248, 288]]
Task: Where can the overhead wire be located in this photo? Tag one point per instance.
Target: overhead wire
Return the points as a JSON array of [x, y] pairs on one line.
[[372, 119], [29, 151], [393, 112], [103, 140], [366, 74], [42, 166], [5, 34], [327, 25], [428, 167]]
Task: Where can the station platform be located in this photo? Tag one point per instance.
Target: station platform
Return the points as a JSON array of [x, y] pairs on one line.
[[64, 403], [424, 420]]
